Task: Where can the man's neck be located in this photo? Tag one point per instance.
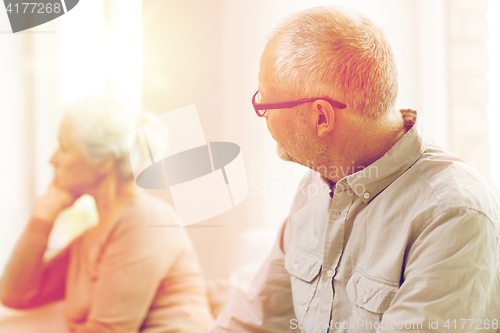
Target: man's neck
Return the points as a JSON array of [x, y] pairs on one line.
[[362, 151]]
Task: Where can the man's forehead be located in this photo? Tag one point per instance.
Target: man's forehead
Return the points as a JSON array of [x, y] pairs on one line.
[[267, 61]]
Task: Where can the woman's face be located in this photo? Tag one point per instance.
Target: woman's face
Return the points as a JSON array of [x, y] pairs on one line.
[[73, 172]]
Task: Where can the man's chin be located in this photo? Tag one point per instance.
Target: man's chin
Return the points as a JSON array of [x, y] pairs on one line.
[[286, 156], [283, 154]]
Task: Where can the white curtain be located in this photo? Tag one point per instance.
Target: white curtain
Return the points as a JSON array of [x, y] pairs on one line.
[[96, 47]]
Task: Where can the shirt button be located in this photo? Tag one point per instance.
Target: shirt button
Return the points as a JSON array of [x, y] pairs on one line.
[[295, 266], [364, 298], [329, 273], [356, 278], [366, 195]]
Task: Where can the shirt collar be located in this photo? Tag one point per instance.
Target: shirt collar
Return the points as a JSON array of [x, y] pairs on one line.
[[331, 185], [372, 180]]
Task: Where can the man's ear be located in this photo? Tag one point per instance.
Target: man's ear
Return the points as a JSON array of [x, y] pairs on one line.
[[324, 117]]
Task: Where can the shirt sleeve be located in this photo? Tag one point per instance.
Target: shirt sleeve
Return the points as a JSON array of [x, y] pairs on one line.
[[28, 280], [450, 282], [266, 306], [134, 262]]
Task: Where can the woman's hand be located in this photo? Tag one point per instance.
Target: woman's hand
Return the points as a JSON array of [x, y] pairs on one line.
[[52, 203]]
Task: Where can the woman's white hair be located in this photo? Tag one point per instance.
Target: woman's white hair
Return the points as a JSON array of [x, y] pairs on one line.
[[101, 126], [332, 51]]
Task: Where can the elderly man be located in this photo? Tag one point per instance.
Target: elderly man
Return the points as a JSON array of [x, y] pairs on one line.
[[387, 232]]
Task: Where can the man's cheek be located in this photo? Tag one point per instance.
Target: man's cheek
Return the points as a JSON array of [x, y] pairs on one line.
[[270, 130]]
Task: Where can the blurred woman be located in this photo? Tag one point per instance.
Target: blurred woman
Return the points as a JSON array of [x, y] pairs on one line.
[[123, 275]]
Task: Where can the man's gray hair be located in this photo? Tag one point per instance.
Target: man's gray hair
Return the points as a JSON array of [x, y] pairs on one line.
[[332, 51]]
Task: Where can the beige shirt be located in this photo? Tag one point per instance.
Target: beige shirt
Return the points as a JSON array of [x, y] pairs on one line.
[[408, 244]]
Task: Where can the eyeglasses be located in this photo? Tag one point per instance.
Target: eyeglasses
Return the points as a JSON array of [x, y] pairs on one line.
[[258, 107]]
